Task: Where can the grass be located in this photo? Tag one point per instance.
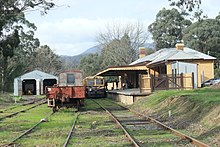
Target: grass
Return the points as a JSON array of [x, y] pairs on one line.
[[14, 126], [193, 112], [95, 128], [51, 133], [205, 96]]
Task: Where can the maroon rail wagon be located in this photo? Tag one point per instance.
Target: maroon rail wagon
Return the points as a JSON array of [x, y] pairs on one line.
[[69, 92]]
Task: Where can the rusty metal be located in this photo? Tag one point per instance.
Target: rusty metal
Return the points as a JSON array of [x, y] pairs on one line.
[[24, 110], [120, 125], [71, 131], [29, 130]]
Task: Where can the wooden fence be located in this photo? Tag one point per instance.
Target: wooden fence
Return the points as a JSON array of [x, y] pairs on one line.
[[150, 83]]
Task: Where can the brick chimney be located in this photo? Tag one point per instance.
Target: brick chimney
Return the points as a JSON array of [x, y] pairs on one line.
[[180, 46], [141, 52]]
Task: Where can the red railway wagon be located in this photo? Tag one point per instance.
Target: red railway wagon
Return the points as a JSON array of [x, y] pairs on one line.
[[69, 92]]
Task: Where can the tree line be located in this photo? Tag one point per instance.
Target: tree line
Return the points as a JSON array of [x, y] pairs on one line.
[[185, 22], [21, 52]]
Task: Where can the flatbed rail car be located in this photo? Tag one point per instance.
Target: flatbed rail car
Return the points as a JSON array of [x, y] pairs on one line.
[[69, 92], [95, 87]]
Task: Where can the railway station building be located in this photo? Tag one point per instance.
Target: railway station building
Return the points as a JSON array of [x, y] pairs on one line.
[[168, 68], [33, 83]]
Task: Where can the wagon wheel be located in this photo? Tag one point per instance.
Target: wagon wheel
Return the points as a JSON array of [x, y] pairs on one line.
[[77, 105], [82, 102], [54, 109]]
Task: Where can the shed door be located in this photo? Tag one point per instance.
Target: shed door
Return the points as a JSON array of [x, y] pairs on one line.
[[186, 68]]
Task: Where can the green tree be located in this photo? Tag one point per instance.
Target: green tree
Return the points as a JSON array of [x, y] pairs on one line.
[[204, 36], [90, 64], [46, 60], [13, 26], [189, 5], [168, 28], [190, 8]]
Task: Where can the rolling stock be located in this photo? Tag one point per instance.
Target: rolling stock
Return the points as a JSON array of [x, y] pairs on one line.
[[95, 87], [68, 92]]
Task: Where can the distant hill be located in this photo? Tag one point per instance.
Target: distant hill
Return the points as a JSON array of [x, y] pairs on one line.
[[73, 61], [150, 45], [94, 49]]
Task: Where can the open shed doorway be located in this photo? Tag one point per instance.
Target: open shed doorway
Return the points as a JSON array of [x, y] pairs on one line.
[[29, 87], [48, 82]]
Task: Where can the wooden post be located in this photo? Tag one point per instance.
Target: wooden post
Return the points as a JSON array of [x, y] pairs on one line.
[[167, 82], [181, 80], [193, 84], [151, 83], [140, 83], [175, 78], [173, 83]]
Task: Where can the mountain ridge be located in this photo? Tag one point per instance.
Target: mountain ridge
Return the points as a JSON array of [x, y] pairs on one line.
[[74, 61]]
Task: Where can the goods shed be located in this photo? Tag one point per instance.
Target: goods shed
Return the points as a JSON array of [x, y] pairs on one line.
[[33, 83]]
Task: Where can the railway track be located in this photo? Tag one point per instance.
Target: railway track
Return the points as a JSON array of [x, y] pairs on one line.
[[129, 136], [92, 127], [28, 131], [141, 129], [21, 104], [71, 131], [20, 111]]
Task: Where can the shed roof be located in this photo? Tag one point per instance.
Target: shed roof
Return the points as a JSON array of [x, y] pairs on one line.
[[116, 70], [36, 74], [168, 54]]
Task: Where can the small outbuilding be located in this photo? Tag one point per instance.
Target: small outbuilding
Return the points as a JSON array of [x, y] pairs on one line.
[[33, 83]]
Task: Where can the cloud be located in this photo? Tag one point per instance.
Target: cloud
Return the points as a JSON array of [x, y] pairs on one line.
[[210, 7], [74, 35], [71, 49], [72, 27]]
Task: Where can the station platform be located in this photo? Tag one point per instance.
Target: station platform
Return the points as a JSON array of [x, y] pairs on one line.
[[127, 96]]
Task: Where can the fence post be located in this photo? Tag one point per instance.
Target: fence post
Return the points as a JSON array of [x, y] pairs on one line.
[[175, 78], [151, 83], [181, 80], [140, 83], [167, 82], [193, 84]]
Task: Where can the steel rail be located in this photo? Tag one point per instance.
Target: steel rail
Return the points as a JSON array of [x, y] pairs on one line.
[[135, 144], [192, 140], [29, 130], [24, 110], [71, 131], [32, 102], [21, 104], [2, 111]]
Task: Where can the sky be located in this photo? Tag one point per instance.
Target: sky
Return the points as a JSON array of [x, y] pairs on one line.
[[73, 25]]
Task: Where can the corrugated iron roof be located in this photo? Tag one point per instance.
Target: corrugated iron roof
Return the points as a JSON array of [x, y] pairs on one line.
[[114, 70], [167, 54], [36, 74]]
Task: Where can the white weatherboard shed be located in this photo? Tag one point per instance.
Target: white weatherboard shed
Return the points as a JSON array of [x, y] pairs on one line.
[[33, 83]]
